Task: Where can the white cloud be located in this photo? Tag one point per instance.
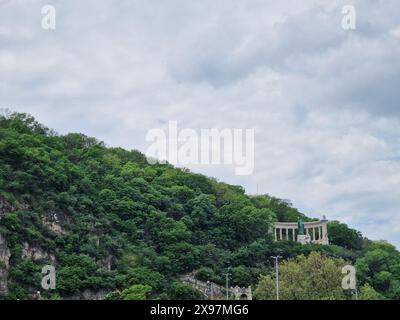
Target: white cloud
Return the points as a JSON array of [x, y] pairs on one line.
[[324, 101], [395, 32]]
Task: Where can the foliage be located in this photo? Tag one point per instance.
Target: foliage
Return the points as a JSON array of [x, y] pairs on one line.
[[369, 293], [136, 292], [340, 234], [114, 222], [315, 277], [379, 267]]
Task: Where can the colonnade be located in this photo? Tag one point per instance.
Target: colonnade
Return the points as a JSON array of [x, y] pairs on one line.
[[316, 231]]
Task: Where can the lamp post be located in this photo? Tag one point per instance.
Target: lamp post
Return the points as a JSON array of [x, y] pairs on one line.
[[227, 274], [276, 258]]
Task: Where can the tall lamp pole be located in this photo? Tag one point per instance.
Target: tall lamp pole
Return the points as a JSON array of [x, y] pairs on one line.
[[227, 274], [276, 258]]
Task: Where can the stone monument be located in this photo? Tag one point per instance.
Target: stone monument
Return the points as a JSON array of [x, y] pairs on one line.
[[302, 232], [301, 237]]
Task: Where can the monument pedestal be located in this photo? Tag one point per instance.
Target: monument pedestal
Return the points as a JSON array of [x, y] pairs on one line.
[[303, 238]]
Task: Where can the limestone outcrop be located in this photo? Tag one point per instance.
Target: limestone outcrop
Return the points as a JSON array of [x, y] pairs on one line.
[[35, 253], [5, 255], [6, 206]]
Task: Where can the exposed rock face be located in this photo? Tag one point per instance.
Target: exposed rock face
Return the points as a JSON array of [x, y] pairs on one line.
[[53, 225], [94, 295], [5, 206], [106, 263], [35, 253], [55, 221], [88, 294], [4, 265]]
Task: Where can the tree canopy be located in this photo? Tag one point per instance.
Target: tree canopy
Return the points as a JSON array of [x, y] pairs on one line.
[[109, 220]]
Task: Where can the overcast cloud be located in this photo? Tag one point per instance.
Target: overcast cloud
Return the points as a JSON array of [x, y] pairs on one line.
[[324, 101]]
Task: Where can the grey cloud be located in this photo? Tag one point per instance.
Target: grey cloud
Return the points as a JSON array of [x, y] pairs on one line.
[[324, 100]]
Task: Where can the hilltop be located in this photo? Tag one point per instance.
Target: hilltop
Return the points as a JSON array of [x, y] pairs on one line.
[[111, 222]]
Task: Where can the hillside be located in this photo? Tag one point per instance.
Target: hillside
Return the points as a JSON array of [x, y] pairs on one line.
[[107, 220]]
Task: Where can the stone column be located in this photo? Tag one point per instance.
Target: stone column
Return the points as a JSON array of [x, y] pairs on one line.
[[280, 233], [287, 234], [325, 233], [275, 231], [294, 234], [313, 233], [324, 230]]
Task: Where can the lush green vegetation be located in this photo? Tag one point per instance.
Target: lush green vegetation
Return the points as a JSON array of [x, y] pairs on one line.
[[114, 222], [315, 277], [305, 278]]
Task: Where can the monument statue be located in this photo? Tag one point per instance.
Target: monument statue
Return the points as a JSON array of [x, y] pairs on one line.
[[300, 227], [302, 232]]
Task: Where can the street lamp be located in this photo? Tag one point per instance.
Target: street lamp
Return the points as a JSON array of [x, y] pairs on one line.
[[276, 258], [227, 274]]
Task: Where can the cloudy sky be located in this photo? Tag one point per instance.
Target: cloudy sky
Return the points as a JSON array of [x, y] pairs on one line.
[[324, 101]]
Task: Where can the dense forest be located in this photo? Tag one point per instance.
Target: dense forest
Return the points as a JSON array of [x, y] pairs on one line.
[[116, 227]]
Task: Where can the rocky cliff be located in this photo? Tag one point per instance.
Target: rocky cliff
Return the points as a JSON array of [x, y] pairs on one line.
[[4, 265]]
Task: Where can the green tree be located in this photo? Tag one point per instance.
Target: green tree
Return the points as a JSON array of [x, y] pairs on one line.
[[136, 292], [112, 221], [369, 293], [340, 234], [315, 277], [379, 266], [182, 291]]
